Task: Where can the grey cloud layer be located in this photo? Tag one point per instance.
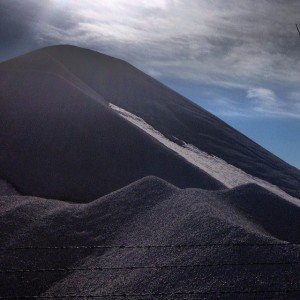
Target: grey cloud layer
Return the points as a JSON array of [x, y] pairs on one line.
[[248, 44]]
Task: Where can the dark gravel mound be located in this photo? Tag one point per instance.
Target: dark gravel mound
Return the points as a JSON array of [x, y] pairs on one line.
[[227, 249], [6, 189], [275, 215], [60, 141], [106, 79]]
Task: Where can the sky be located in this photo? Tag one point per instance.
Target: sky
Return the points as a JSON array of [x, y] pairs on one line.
[[239, 59]]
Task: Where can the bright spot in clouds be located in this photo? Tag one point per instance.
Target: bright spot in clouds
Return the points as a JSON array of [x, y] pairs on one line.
[[249, 46]]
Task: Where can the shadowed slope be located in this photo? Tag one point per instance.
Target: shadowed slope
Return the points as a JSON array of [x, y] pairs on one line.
[[277, 216], [106, 79], [59, 141], [6, 189], [149, 212], [173, 115]]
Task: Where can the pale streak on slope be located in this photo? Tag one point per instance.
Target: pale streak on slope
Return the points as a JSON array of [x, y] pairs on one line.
[[216, 167]]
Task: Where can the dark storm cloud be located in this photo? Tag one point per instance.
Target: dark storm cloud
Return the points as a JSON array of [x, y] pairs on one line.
[[251, 45], [18, 22]]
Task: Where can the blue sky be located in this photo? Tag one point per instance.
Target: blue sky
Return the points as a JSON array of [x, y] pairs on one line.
[[239, 59], [280, 135]]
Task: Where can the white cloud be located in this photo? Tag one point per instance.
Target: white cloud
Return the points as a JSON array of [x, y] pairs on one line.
[[230, 44], [263, 97], [267, 103]]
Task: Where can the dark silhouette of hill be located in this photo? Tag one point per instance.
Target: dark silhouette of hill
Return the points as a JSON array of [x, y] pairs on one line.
[[226, 244], [60, 140], [68, 145]]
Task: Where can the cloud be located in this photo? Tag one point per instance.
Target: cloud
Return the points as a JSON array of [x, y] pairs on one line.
[[238, 45], [263, 97], [267, 103], [18, 23], [294, 96]]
